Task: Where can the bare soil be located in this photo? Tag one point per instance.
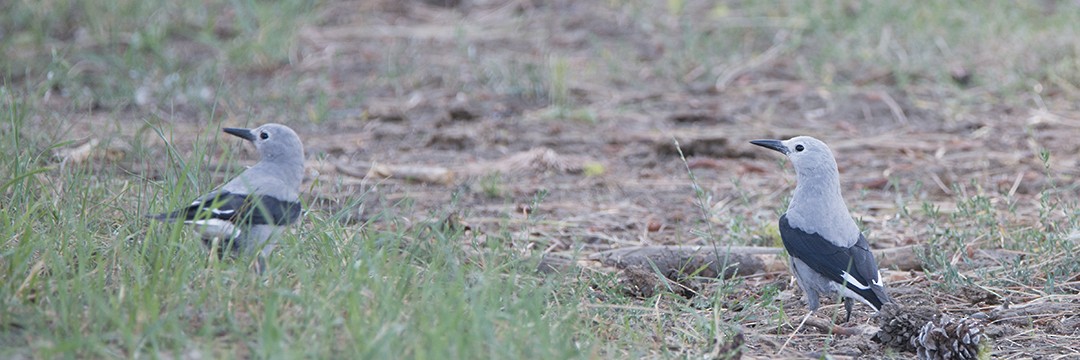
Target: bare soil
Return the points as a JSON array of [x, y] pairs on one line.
[[601, 170]]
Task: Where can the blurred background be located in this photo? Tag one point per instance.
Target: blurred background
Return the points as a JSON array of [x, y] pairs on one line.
[[573, 127], [936, 93]]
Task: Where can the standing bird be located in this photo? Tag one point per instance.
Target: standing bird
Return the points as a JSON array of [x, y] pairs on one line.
[[249, 212], [828, 253]]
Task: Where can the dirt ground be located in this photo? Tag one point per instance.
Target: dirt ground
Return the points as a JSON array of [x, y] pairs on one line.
[[447, 86]]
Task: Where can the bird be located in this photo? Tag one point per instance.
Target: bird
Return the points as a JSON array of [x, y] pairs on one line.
[[829, 254], [248, 213]]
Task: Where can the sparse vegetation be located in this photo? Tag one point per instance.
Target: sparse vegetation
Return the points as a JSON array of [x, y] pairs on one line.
[[953, 124]]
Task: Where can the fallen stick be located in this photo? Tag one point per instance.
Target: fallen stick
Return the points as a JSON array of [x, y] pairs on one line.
[[705, 261], [708, 261], [427, 174]]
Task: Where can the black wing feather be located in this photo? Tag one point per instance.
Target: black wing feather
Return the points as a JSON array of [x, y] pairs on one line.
[[239, 209], [832, 261]]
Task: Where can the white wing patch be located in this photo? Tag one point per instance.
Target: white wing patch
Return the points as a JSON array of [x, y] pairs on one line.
[[845, 292], [214, 211], [851, 280], [215, 228], [877, 281]]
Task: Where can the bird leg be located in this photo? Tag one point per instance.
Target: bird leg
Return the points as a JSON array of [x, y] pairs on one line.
[[215, 248], [847, 306], [260, 264]]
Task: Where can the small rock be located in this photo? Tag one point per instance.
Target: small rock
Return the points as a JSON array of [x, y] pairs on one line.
[[461, 112]]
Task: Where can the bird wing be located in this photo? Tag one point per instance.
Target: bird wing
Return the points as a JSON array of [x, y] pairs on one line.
[[239, 209], [854, 266]]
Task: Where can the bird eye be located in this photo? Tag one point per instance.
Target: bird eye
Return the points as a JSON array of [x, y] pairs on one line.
[[265, 136], [797, 147]]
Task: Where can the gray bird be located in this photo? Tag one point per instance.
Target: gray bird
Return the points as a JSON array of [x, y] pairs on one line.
[[247, 214], [829, 254]]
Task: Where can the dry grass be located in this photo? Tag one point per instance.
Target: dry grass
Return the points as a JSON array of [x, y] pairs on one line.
[[953, 127]]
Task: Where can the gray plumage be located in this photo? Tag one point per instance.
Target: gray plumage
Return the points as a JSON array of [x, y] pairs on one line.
[[249, 212], [828, 253]]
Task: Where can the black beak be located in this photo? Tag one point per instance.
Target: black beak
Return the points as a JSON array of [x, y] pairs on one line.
[[245, 134], [772, 144]]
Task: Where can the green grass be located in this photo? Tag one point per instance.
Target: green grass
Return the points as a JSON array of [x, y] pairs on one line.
[[84, 274], [110, 54], [843, 46], [1049, 259]]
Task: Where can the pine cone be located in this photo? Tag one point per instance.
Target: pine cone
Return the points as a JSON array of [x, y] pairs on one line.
[[949, 338], [900, 326]]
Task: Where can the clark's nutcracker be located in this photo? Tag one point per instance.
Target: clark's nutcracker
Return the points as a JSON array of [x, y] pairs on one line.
[[828, 253], [249, 212]]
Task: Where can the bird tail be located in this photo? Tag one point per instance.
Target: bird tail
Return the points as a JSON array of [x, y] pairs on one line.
[[881, 297]]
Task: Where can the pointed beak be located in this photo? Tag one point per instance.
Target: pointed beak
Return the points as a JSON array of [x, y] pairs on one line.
[[245, 134], [772, 144]]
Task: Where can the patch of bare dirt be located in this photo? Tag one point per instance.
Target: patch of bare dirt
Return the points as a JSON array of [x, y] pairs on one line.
[[452, 115]]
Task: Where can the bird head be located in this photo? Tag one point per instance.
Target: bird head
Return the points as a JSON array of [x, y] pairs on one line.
[[273, 141], [810, 156]]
